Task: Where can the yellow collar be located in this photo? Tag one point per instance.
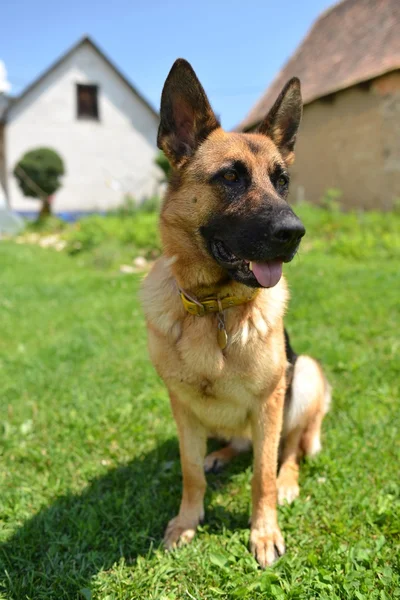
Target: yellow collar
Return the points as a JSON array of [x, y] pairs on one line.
[[212, 304]]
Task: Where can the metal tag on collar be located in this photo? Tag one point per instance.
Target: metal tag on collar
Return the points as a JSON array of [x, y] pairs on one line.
[[201, 310]]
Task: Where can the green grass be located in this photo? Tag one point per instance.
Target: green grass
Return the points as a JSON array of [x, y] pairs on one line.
[[90, 469]]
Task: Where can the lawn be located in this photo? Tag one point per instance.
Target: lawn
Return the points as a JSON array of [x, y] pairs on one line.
[[90, 470]]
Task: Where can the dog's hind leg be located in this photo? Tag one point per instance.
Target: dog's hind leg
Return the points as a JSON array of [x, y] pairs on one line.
[[216, 461], [288, 478], [305, 408]]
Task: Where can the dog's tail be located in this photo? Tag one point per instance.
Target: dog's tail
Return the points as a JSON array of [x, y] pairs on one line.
[[311, 439], [309, 402]]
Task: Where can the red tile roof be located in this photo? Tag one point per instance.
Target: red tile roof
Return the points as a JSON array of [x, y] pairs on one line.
[[352, 42]]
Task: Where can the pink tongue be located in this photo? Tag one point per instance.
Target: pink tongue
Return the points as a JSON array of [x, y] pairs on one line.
[[269, 273]]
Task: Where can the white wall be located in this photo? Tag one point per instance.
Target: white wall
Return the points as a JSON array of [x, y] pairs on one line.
[[120, 147]]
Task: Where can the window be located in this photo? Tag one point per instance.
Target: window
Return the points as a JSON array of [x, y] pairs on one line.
[[87, 103]]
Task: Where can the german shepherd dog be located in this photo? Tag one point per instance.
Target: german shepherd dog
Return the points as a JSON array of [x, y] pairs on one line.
[[215, 301]]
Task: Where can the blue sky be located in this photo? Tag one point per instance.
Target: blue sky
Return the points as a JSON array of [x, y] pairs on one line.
[[236, 47]]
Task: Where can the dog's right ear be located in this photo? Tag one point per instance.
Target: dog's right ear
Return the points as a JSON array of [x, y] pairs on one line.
[[186, 114]]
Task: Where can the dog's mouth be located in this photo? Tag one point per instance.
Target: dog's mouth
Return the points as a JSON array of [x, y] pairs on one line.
[[251, 272]]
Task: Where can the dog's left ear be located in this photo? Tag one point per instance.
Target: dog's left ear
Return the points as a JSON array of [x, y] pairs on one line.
[[186, 114], [283, 120]]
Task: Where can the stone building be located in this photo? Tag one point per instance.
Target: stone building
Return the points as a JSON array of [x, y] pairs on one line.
[[349, 67]]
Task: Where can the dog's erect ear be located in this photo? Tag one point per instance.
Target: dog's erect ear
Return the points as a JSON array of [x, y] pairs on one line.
[[283, 120], [186, 115]]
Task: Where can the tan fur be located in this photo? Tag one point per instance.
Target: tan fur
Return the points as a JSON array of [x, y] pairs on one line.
[[240, 392], [189, 202], [227, 394]]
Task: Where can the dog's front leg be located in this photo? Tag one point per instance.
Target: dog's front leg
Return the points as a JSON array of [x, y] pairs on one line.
[[192, 446], [266, 540]]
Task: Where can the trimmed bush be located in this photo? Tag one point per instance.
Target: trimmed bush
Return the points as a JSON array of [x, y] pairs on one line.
[[38, 175]]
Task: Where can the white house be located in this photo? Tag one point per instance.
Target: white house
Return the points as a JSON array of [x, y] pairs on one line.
[[101, 126]]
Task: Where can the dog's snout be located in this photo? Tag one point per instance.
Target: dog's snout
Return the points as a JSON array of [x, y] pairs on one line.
[[288, 229]]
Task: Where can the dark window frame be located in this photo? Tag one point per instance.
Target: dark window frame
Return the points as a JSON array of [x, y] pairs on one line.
[[93, 114]]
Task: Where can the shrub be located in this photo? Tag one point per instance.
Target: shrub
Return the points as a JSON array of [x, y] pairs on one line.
[[130, 207], [331, 199], [46, 226], [38, 175], [354, 234], [150, 205], [137, 232], [162, 161]]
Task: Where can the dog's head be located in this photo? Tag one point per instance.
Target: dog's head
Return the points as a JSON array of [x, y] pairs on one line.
[[227, 195]]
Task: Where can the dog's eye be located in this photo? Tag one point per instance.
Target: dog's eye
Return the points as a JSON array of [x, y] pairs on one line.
[[282, 181], [231, 175]]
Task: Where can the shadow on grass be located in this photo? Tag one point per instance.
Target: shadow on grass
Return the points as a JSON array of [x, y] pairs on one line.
[[121, 514]]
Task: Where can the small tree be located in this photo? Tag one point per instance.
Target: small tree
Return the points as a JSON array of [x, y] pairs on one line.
[[38, 175]]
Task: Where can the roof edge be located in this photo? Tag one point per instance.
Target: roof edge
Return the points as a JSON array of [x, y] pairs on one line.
[[333, 90], [81, 42], [285, 65]]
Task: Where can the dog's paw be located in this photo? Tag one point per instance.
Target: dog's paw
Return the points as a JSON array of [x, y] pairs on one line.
[[288, 490], [267, 545], [215, 462], [178, 533]]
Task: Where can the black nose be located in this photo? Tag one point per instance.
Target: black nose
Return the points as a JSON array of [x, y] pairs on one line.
[[288, 229]]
